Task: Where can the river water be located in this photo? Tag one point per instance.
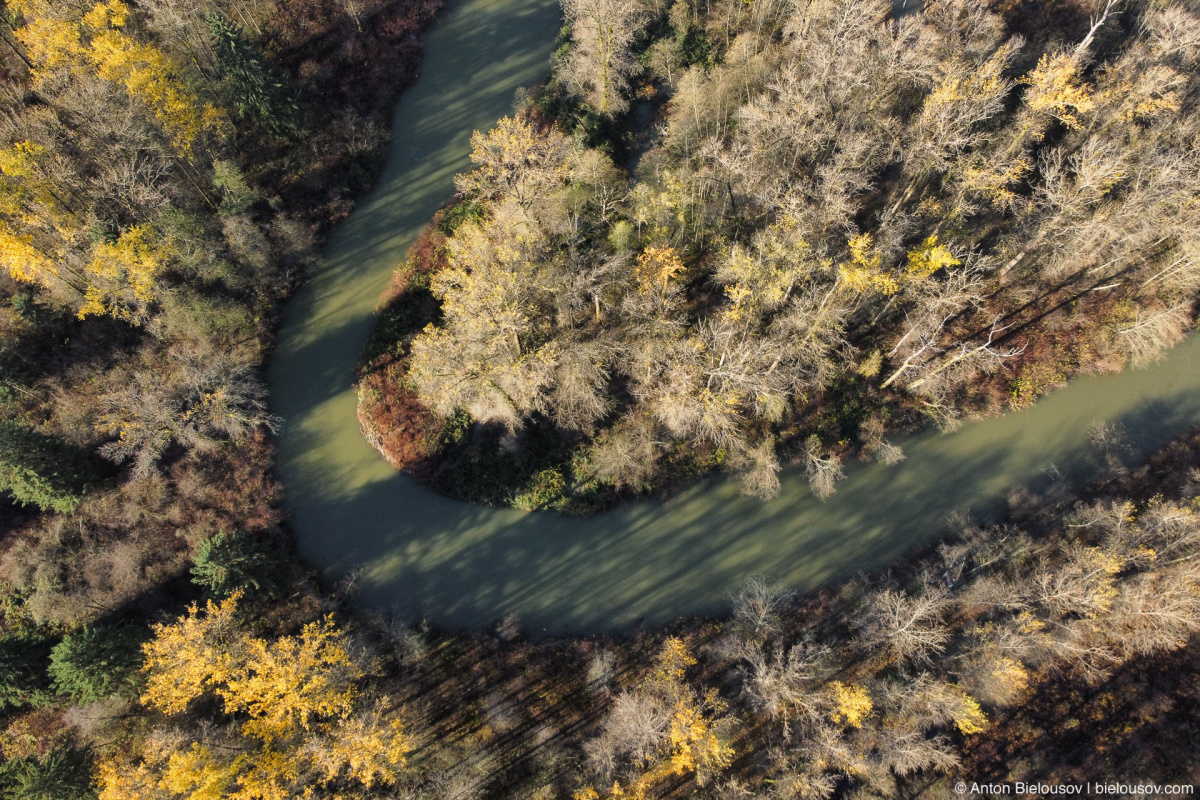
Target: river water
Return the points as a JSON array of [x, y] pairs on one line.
[[463, 566]]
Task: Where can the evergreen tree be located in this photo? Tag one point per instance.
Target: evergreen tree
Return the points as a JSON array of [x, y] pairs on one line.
[[96, 663], [229, 562], [254, 88], [62, 775], [40, 469], [23, 678]]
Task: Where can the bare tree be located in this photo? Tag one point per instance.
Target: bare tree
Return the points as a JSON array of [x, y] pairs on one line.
[[207, 402], [874, 446], [627, 454], [757, 608], [632, 735], [935, 304], [970, 354], [823, 469], [758, 467], [789, 685], [1083, 584], [905, 626], [602, 32], [1152, 332], [602, 670], [1154, 613], [903, 750], [1110, 449], [1172, 530]]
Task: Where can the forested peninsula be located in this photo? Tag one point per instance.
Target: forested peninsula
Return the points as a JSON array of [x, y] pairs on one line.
[[730, 237], [721, 236]]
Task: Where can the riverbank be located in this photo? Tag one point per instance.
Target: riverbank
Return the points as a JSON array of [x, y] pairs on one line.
[[647, 562], [1069, 332], [570, 335], [283, 105]]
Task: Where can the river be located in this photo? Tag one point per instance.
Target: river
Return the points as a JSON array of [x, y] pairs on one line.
[[463, 566]]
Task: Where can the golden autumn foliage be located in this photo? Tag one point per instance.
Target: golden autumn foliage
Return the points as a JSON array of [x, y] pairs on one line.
[[514, 157], [671, 665], [52, 43], [146, 74], [995, 182], [298, 697], [692, 742], [969, 717], [196, 774], [656, 266], [852, 704], [20, 160], [45, 237], [928, 257], [864, 272], [986, 81], [283, 685], [1011, 674], [125, 275], [188, 659], [29, 199], [760, 278], [23, 261], [272, 775], [367, 748], [28, 193], [1055, 88], [97, 42], [120, 779]]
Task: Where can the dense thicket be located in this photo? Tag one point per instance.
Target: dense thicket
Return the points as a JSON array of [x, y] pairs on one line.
[[156, 209], [835, 219], [952, 666], [165, 169]]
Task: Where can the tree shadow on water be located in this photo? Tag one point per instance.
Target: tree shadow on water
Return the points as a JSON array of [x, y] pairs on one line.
[[650, 562]]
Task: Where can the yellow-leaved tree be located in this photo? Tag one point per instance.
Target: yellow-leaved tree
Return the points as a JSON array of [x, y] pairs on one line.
[[852, 704], [45, 236], [864, 272], [692, 741], [517, 160], [927, 258], [488, 358], [56, 39], [123, 275], [288, 684], [187, 660], [147, 74], [36, 223], [1055, 89], [304, 723], [655, 268], [761, 278], [23, 261]]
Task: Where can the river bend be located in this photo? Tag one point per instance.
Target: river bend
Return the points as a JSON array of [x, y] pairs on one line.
[[463, 566]]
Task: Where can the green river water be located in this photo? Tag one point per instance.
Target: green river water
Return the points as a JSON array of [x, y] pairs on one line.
[[463, 566]]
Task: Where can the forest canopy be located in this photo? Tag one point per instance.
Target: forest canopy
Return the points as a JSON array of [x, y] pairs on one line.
[[742, 234], [722, 235], [166, 168]]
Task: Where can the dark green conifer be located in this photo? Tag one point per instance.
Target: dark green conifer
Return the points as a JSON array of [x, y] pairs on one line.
[[254, 89], [95, 663], [40, 469]]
